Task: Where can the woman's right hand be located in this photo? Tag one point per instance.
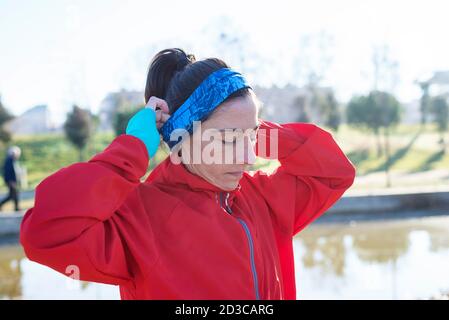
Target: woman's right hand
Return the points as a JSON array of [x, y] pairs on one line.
[[160, 106], [146, 122]]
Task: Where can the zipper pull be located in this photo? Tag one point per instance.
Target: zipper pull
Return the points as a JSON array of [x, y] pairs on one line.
[[228, 208], [223, 204]]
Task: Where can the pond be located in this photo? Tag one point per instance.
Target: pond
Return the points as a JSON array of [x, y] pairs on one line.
[[391, 259]]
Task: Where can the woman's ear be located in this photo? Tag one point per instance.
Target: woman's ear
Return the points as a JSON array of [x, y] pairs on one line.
[[176, 154]]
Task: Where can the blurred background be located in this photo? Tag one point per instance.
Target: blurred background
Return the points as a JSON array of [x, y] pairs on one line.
[[373, 73]]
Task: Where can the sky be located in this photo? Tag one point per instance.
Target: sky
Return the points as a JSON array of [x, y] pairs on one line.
[[63, 52]]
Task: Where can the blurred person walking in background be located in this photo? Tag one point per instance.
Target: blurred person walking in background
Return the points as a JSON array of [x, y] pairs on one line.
[[11, 175]]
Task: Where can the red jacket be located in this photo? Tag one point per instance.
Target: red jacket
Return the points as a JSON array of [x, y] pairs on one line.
[[176, 236]]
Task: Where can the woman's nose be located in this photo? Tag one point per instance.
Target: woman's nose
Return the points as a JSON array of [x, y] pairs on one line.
[[250, 154], [245, 152]]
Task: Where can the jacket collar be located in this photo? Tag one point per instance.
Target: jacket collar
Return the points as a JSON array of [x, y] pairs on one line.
[[177, 174]]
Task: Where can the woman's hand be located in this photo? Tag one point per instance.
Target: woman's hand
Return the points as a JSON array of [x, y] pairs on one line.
[[160, 106], [146, 122]]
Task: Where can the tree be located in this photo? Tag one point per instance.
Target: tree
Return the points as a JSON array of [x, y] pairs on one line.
[[333, 116], [424, 102], [328, 107], [361, 113], [79, 128], [121, 118], [440, 110], [385, 69], [379, 110], [5, 116], [390, 110]]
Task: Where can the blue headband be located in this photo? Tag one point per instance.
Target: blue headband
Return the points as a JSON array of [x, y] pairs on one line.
[[206, 98]]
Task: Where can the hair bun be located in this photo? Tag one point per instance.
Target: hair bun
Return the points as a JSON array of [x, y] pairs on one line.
[[184, 60], [163, 67]]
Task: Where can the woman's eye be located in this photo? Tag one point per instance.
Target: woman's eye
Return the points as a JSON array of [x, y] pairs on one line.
[[228, 141], [229, 138], [253, 136]]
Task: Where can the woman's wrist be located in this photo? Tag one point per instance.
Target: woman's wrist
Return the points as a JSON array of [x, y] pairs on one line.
[[142, 125]]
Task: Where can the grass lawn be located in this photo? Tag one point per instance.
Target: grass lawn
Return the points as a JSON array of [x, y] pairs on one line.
[[411, 151]]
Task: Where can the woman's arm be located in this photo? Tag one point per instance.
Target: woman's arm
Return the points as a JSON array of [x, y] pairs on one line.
[[79, 222], [314, 173], [75, 222]]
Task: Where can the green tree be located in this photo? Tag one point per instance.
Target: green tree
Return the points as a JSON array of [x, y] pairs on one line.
[[424, 102], [5, 116], [361, 113], [79, 128], [440, 111], [121, 118], [328, 106], [377, 111], [333, 116]]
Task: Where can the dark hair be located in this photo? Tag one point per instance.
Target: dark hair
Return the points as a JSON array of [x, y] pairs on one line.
[[173, 75]]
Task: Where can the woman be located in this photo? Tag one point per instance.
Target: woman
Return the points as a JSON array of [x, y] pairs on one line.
[[192, 229]]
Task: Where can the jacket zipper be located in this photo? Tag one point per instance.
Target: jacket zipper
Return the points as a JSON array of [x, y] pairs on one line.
[[250, 242]]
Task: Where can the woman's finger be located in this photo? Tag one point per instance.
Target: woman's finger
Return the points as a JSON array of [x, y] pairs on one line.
[[158, 115], [156, 103], [163, 118]]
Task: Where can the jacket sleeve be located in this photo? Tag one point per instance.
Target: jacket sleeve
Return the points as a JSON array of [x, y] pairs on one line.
[[75, 224], [313, 174]]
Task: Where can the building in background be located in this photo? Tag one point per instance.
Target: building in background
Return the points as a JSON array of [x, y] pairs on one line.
[[33, 121], [439, 83], [115, 100], [286, 104]]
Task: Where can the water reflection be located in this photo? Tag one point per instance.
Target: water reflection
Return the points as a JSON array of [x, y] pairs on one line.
[[10, 272], [403, 259], [21, 278]]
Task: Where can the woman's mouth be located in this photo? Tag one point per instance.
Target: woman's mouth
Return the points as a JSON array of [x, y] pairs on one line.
[[236, 174]]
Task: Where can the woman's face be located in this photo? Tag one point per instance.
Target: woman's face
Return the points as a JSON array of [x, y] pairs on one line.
[[226, 146]]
